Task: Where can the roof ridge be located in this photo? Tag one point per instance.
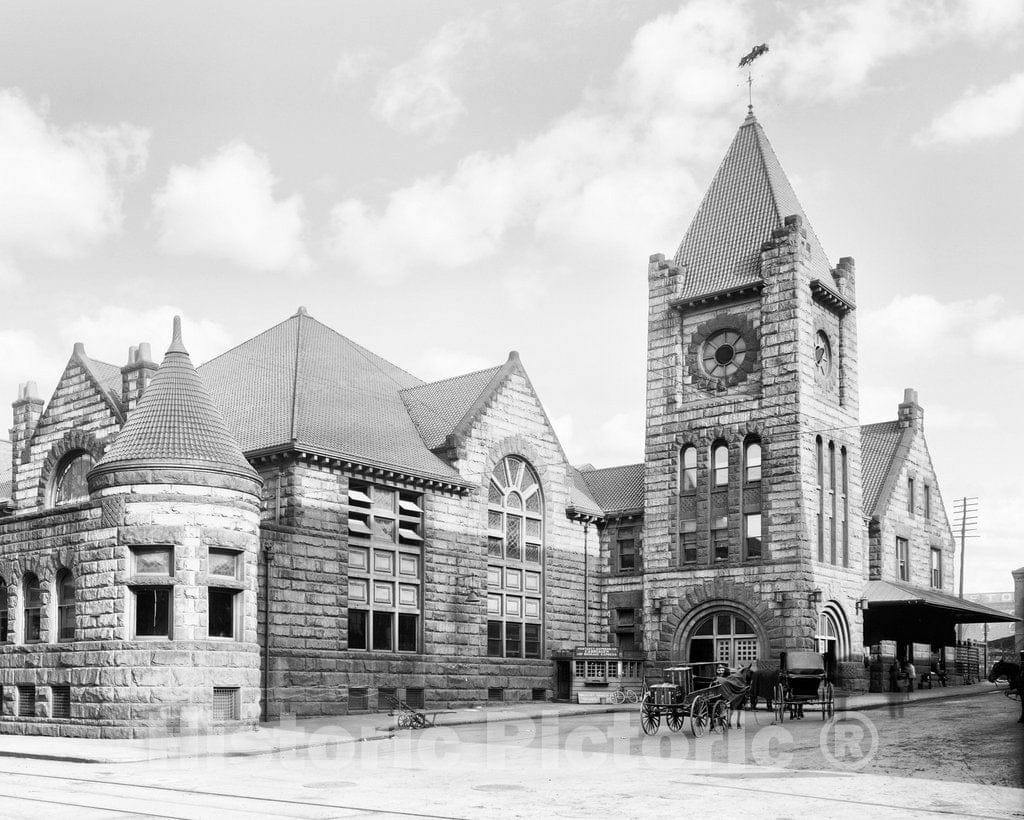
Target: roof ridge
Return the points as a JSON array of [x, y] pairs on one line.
[[614, 467], [246, 341], [879, 423], [451, 378]]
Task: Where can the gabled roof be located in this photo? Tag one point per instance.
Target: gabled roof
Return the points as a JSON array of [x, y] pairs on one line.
[[616, 489], [879, 445], [106, 377], [748, 199], [176, 423], [580, 499], [6, 452], [321, 392], [437, 408]]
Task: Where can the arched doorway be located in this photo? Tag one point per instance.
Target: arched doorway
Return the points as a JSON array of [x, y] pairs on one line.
[[723, 636], [832, 637]]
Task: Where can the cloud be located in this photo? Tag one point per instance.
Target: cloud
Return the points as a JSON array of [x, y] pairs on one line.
[[25, 359], [356, 64], [991, 113], [61, 189], [224, 207], [419, 96]]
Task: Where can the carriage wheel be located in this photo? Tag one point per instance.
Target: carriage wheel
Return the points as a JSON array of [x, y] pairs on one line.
[[404, 721], [779, 703], [418, 721], [828, 704], [649, 717], [699, 716], [675, 719], [618, 696], [632, 696], [720, 717]]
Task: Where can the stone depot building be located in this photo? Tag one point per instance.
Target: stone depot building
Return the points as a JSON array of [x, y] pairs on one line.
[[300, 526]]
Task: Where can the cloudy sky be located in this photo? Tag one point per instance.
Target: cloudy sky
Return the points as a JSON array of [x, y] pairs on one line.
[[444, 182]]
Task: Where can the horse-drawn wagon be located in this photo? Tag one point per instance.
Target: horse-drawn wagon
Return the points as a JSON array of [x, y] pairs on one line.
[[803, 683], [679, 698]]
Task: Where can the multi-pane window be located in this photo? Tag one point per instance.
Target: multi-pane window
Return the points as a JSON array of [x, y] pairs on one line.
[[832, 501], [385, 556], [910, 496], [688, 471], [903, 559], [723, 638], [720, 539], [70, 485], [820, 473], [33, 609], [626, 622], [152, 593], [752, 527], [515, 543], [752, 459], [845, 507], [937, 567], [4, 615], [626, 543], [223, 567], [65, 607], [720, 463], [688, 542]]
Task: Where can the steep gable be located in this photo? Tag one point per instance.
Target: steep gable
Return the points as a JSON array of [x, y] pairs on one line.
[[748, 199], [879, 444], [437, 408]]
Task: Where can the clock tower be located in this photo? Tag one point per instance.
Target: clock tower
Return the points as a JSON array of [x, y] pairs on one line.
[[753, 536]]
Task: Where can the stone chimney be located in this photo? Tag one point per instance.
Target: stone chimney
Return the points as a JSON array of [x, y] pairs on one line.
[[843, 275], [910, 412], [27, 409], [136, 375]]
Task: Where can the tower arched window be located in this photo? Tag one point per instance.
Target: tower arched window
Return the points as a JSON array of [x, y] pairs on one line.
[[720, 463], [69, 485], [65, 607], [515, 572], [688, 469], [752, 459], [33, 597]]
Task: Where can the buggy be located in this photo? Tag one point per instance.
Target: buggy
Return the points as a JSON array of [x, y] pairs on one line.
[[803, 682], [678, 699]]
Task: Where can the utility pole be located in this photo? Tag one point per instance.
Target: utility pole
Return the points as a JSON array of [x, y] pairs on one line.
[[965, 517]]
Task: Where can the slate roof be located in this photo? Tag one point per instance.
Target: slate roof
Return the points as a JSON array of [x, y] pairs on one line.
[[437, 408], [616, 489], [890, 593], [320, 391], [5, 469], [748, 198], [878, 445], [176, 423], [580, 499]]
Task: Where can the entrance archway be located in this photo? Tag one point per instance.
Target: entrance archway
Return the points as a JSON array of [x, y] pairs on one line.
[[832, 637], [719, 633]]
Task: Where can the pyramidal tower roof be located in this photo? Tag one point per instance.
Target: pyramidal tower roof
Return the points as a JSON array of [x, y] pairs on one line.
[[749, 198], [176, 424]]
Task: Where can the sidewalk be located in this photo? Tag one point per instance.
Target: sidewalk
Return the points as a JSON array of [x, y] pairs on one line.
[[290, 734]]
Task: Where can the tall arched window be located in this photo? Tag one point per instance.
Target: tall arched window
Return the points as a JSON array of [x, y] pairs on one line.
[[832, 500], [65, 607], [69, 485], [723, 637], [688, 471], [515, 544], [820, 473], [4, 614], [720, 463], [752, 459], [33, 597], [845, 507]]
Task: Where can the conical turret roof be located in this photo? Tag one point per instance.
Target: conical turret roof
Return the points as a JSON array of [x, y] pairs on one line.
[[749, 198], [176, 424]]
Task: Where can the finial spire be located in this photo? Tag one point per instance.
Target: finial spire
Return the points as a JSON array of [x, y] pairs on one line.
[[747, 61], [177, 345]]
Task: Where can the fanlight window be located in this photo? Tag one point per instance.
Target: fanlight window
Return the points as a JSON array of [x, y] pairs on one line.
[[515, 511], [724, 638], [69, 486]]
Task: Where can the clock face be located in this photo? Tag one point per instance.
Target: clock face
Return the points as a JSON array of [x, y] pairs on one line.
[[822, 355], [723, 353]]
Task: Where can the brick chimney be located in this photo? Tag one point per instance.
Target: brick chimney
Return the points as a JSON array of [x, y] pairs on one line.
[[28, 407], [136, 375], [910, 412]]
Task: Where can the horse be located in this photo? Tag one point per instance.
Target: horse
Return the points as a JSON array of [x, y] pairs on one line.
[[735, 689], [762, 684], [1010, 671]]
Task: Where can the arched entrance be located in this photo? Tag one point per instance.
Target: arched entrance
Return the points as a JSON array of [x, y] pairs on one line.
[[832, 637], [720, 635]]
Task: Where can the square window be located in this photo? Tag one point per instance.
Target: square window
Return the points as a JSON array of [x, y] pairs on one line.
[[532, 607], [408, 632], [223, 563], [409, 565], [357, 623], [382, 626], [513, 605], [493, 604], [408, 595], [513, 579], [221, 615], [225, 703], [359, 558], [153, 561], [383, 593], [533, 582], [384, 562], [358, 590], [152, 611], [494, 577], [358, 699]]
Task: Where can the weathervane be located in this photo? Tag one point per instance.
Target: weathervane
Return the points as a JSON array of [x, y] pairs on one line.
[[755, 52]]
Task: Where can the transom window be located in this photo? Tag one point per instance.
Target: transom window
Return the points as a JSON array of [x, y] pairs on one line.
[[515, 576], [69, 486], [385, 554], [723, 637]]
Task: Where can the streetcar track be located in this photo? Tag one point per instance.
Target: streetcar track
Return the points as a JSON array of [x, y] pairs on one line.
[[134, 812]]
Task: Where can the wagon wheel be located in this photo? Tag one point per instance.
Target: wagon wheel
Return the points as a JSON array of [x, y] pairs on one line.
[[418, 720], [720, 717], [699, 716], [675, 719], [632, 696], [649, 717], [618, 696], [779, 703], [828, 703], [404, 721]]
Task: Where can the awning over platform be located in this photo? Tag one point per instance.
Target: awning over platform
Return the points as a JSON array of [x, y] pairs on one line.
[[902, 612]]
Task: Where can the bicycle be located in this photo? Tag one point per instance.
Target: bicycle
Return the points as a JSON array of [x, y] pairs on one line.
[[625, 696]]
